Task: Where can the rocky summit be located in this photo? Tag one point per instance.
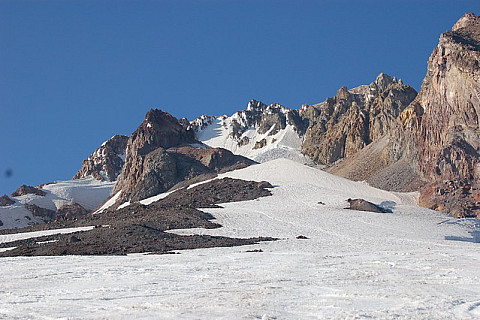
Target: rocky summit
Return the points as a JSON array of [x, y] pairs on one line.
[[162, 152]]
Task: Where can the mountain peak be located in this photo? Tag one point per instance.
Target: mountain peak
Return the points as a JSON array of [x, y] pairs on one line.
[[383, 80], [469, 19]]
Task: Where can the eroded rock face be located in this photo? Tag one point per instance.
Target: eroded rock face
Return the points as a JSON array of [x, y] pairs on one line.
[[160, 155], [5, 201], [106, 163], [346, 123], [40, 212], [158, 131], [443, 121], [24, 189], [440, 130], [460, 198], [164, 169], [71, 211]]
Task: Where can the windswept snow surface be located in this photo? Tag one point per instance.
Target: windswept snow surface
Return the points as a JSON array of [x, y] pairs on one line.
[[87, 192], [410, 264]]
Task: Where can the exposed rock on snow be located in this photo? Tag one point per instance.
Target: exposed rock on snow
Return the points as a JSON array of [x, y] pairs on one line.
[[364, 205], [259, 132], [5, 201], [24, 189], [141, 228], [40, 212], [70, 211], [106, 163], [87, 192]]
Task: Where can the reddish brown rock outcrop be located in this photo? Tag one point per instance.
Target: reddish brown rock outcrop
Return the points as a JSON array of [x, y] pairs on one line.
[[70, 211], [346, 123], [40, 212], [5, 201], [434, 144], [24, 189], [147, 164], [160, 155], [440, 130], [106, 162]]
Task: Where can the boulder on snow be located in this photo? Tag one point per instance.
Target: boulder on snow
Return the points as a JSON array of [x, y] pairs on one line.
[[364, 205]]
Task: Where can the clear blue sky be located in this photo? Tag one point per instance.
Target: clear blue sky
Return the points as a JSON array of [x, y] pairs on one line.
[[74, 73]]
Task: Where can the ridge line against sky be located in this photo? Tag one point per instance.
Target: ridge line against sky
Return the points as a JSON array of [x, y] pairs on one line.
[[74, 73]]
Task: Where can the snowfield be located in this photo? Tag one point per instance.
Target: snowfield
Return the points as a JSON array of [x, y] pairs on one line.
[[413, 263], [284, 144], [87, 192]]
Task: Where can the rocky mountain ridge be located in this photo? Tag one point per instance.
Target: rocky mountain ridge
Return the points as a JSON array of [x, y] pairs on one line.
[[162, 152], [435, 141], [384, 133], [341, 126], [106, 163], [260, 132]]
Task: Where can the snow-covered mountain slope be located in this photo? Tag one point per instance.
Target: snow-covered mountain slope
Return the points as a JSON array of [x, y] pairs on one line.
[[259, 132], [87, 192], [413, 263]]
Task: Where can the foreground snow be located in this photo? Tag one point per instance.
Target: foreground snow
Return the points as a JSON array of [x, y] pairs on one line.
[[412, 264]]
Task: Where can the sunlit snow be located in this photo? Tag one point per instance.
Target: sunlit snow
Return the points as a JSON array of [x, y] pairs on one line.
[[413, 263]]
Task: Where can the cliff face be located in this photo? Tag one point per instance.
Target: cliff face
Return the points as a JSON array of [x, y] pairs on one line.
[[443, 121], [163, 152], [145, 153], [106, 163], [346, 123], [440, 130]]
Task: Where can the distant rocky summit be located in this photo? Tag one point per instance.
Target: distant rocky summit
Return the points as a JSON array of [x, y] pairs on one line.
[[106, 163], [5, 201], [24, 189], [341, 126], [260, 132]]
